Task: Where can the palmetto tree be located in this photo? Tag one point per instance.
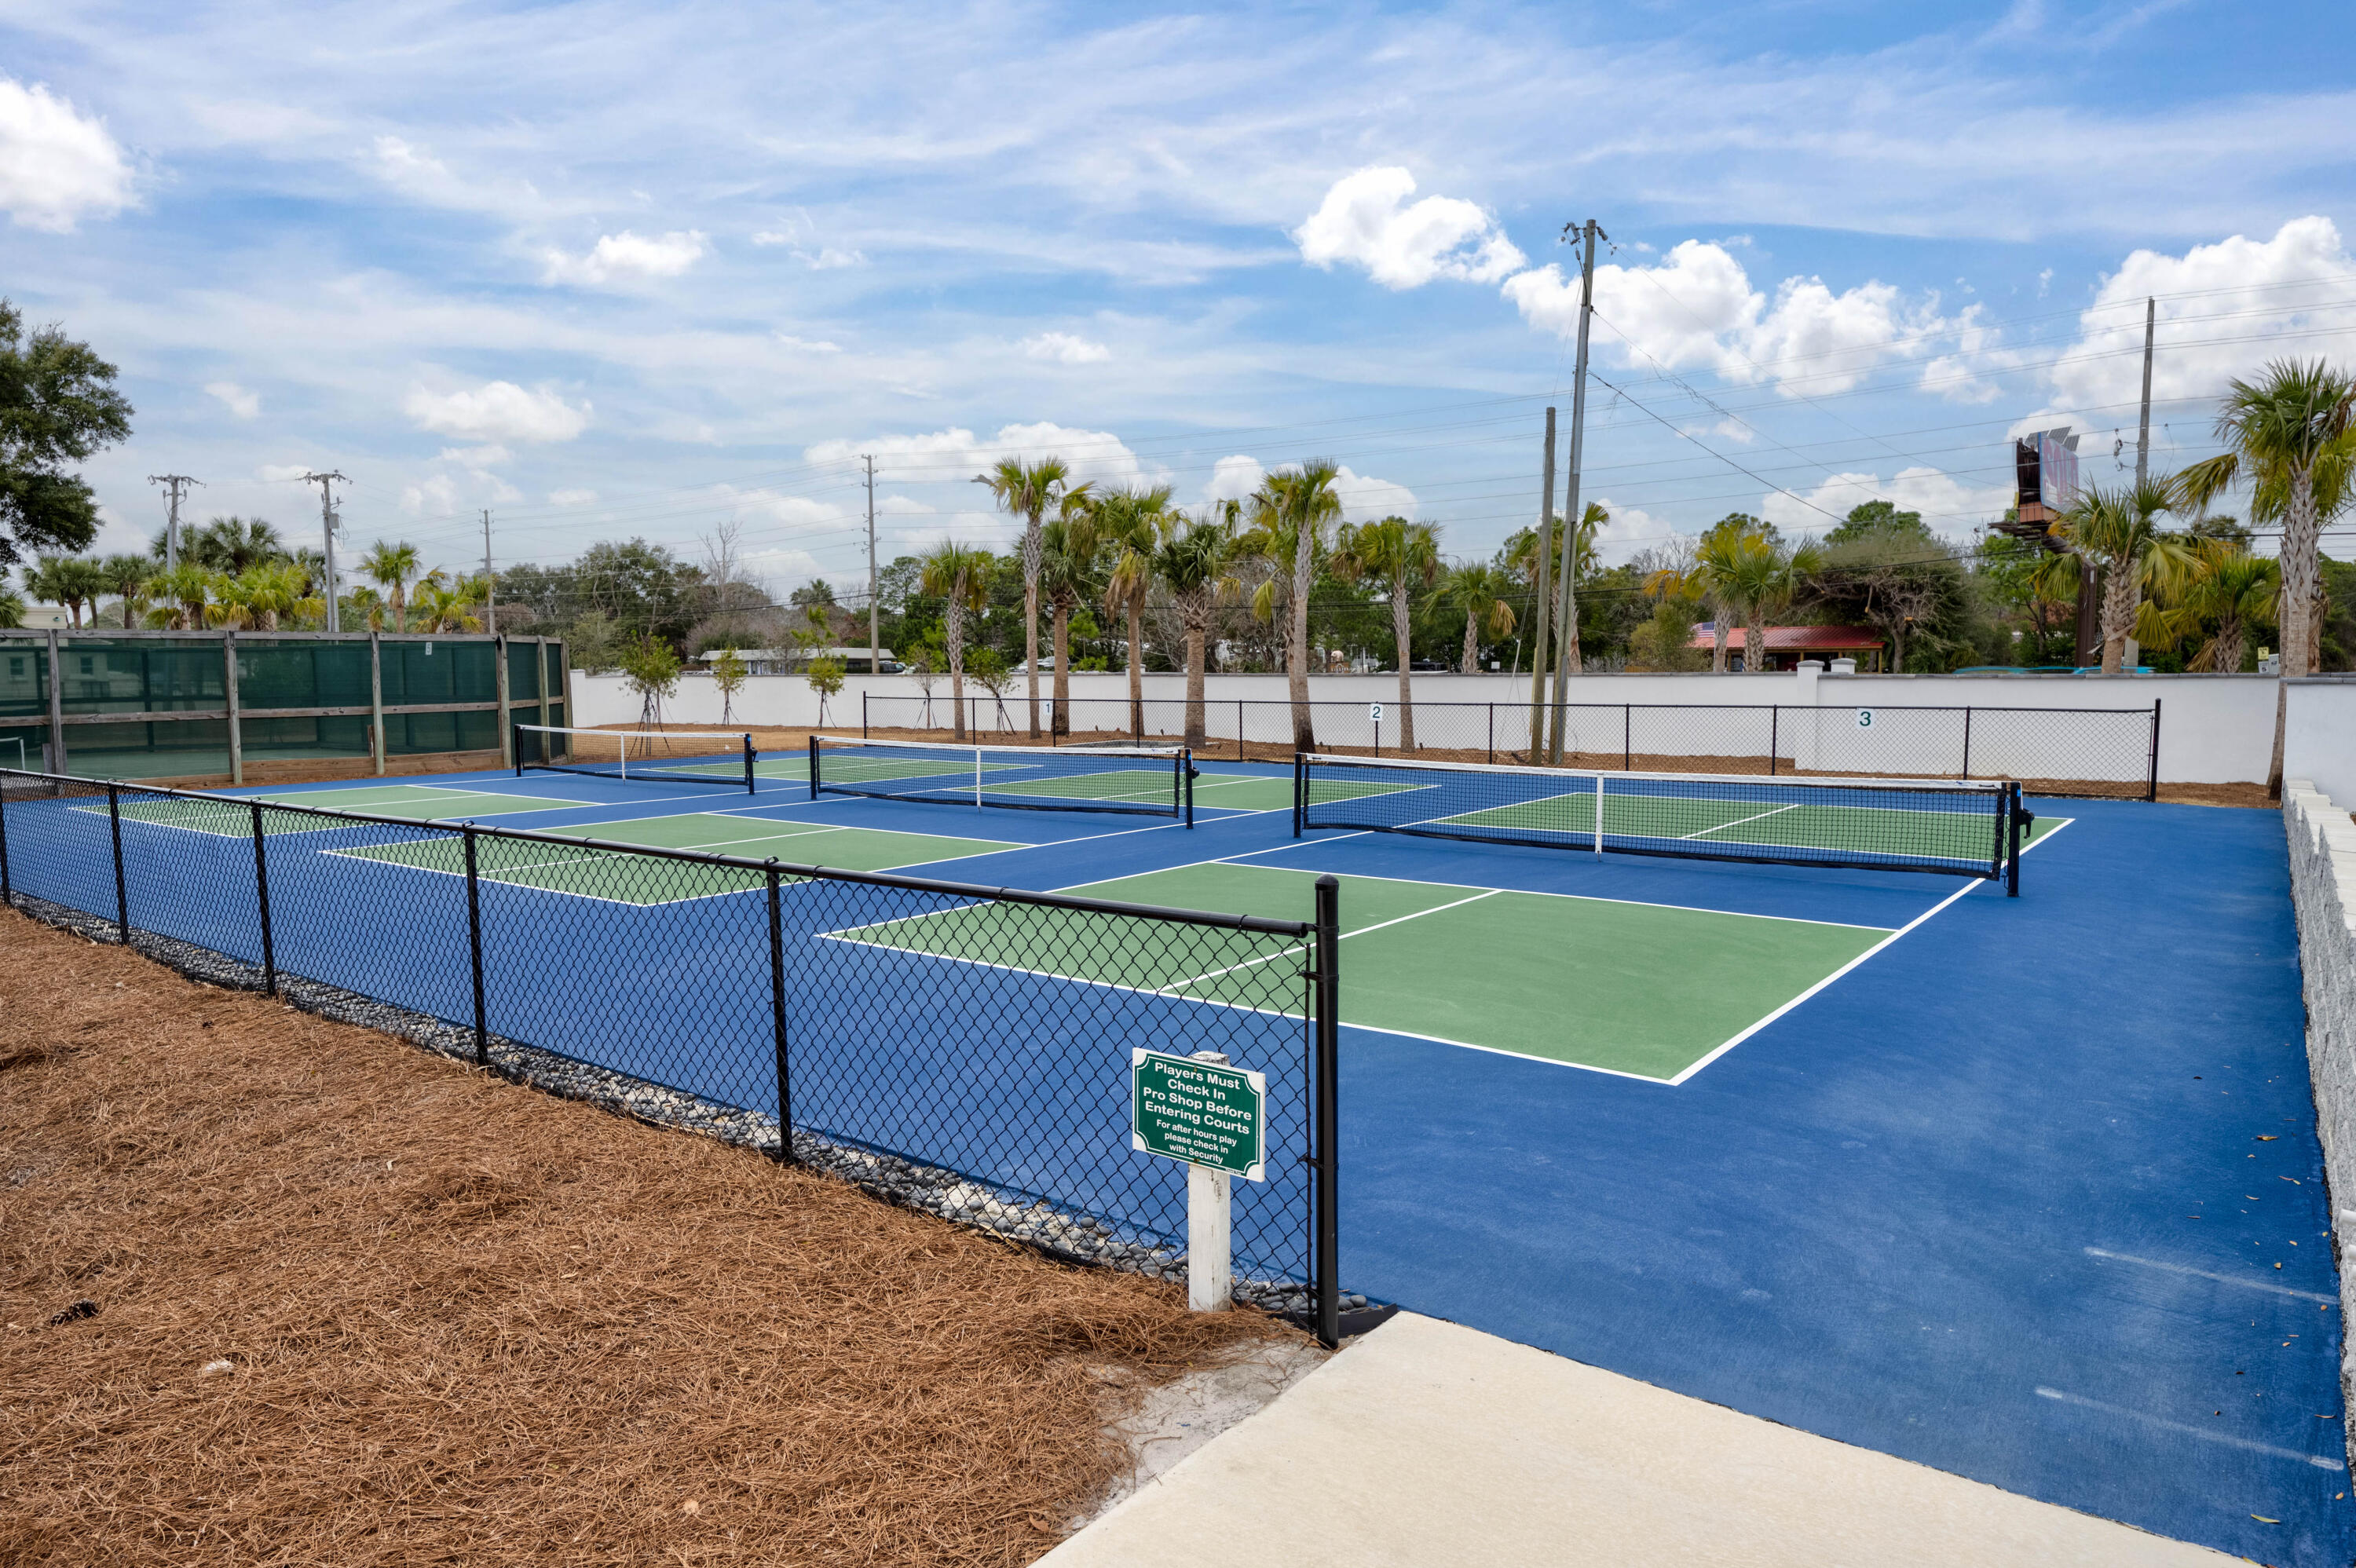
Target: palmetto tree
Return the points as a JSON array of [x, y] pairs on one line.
[[2277, 432], [1192, 561], [69, 581], [959, 574], [2225, 588], [179, 597], [1715, 560], [2118, 529], [1405, 557], [1480, 591], [231, 544], [1290, 512], [127, 575], [1069, 549], [444, 606], [392, 567], [1762, 578], [1030, 491], [1129, 526], [276, 591]]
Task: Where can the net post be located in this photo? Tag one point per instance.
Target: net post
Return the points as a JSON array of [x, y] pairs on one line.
[[121, 896], [1186, 781], [475, 943], [1627, 737], [1968, 742], [516, 741], [1598, 814], [1492, 733], [977, 778], [1300, 789], [777, 1019], [1328, 1112], [813, 764], [2151, 775], [1774, 728], [750, 786], [2012, 814], [261, 899]]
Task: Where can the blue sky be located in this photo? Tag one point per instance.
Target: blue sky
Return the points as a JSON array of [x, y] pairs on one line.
[[611, 269]]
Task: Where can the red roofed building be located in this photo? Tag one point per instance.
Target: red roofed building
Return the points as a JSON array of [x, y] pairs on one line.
[[1787, 646]]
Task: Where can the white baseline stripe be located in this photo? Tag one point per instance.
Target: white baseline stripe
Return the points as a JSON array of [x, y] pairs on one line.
[[2264, 1284], [2247, 1443]]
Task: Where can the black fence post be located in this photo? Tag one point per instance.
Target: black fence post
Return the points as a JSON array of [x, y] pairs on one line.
[[2151, 776], [777, 1019], [862, 712], [261, 898], [1627, 737], [1240, 730], [1492, 733], [1967, 742], [475, 943], [1329, 997], [121, 896], [751, 773], [1774, 728], [813, 764], [8, 891]]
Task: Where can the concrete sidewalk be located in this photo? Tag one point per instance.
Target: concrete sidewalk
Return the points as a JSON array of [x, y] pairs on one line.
[[1425, 1445]]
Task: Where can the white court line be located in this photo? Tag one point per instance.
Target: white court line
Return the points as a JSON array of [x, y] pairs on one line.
[[2248, 1445], [1877, 947], [2265, 1285], [1724, 825], [1344, 937]]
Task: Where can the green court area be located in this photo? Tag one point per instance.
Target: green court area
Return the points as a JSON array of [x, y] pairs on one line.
[[230, 817], [588, 872], [1645, 990]]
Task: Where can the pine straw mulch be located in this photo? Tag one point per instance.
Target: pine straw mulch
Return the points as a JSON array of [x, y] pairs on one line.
[[356, 1303]]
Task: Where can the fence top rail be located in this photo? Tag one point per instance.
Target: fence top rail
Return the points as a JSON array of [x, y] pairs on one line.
[[215, 634], [1609, 776], [1512, 705], [1169, 916]]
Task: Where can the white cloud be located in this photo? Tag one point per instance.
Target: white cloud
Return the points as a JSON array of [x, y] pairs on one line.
[[1696, 309], [958, 453], [807, 345], [436, 496], [1948, 505], [498, 412], [1234, 479], [236, 399], [571, 497], [1361, 221], [1064, 348], [2264, 299], [478, 458], [280, 473], [827, 257], [410, 168], [769, 237], [57, 167], [1629, 530], [627, 258]]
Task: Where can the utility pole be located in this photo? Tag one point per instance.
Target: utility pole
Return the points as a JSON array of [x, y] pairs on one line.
[[2143, 423], [491, 589], [874, 614], [1539, 643], [327, 483], [1589, 232], [171, 483]]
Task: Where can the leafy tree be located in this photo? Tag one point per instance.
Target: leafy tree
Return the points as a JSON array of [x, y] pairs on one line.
[[1401, 556], [593, 642], [1880, 520], [58, 407], [644, 588], [650, 668], [2338, 640], [990, 672], [825, 678], [1029, 490], [728, 673], [2036, 587]]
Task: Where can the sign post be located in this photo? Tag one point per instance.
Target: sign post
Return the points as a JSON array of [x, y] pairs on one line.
[[1214, 1117]]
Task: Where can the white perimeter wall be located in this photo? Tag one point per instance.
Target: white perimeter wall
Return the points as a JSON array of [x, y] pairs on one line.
[[2214, 729], [2319, 734]]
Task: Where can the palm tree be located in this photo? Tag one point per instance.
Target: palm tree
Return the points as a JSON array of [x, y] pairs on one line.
[[1290, 512], [1401, 554], [2226, 590], [12, 608], [1480, 590], [1129, 524], [233, 544], [1029, 490], [1714, 557], [391, 567], [442, 605], [69, 581], [960, 574], [2119, 530], [2277, 432], [127, 575], [1192, 561], [1762, 578], [1068, 548], [276, 591], [180, 596]]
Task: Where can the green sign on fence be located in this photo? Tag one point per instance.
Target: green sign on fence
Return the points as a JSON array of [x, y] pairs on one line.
[[1199, 1112]]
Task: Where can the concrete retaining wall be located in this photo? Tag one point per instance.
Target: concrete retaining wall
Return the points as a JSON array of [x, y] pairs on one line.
[[2323, 888]]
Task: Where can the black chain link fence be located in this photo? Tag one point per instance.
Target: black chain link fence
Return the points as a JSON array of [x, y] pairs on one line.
[[2051, 751], [961, 1049]]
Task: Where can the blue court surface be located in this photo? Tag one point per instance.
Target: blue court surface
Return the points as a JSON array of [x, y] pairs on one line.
[[2024, 1190]]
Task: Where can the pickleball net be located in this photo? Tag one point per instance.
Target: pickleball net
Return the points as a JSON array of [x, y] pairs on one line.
[[1155, 780], [1965, 828], [655, 756]]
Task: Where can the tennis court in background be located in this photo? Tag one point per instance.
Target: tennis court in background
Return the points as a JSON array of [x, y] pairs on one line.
[[1995, 1185]]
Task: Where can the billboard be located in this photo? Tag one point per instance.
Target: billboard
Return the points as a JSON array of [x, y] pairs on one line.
[[2046, 465]]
